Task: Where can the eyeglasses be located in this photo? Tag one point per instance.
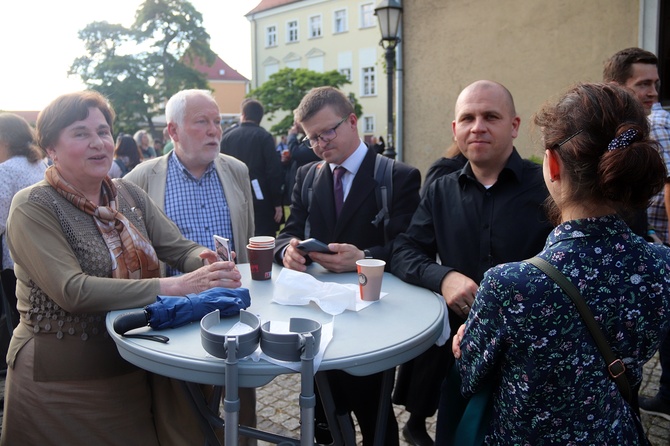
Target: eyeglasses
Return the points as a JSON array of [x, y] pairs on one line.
[[326, 136]]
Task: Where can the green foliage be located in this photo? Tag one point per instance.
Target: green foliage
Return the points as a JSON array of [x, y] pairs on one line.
[[536, 159], [140, 67], [284, 90]]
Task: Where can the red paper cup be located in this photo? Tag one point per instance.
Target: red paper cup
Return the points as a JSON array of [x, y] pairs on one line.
[[260, 260]]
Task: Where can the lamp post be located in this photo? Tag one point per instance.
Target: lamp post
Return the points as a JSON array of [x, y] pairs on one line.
[[389, 13]]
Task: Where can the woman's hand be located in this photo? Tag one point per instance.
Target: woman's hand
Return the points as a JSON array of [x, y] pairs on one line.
[[216, 274], [208, 256], [456, 342]]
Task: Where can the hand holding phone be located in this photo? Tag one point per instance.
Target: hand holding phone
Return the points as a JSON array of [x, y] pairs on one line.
[[314, 245], [222, 248]]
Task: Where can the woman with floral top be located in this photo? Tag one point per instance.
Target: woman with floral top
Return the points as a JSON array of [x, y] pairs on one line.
[[525, 334]]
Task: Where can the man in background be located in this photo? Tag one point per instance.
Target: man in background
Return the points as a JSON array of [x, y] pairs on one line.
[[255, 147], [637, 70]]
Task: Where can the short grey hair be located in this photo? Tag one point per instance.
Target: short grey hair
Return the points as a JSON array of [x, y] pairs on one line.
[[175, 109]]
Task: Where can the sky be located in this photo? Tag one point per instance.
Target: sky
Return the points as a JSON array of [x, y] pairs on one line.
[[39, 42]]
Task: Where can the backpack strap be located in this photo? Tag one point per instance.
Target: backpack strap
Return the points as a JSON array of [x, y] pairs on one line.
[[384, 193], [307, 187], [383, 175]]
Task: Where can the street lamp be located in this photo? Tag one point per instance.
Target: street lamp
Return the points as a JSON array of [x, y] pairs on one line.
[[389, 13]]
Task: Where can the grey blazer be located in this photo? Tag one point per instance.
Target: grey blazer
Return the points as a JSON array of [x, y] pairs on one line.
[[151, 175]]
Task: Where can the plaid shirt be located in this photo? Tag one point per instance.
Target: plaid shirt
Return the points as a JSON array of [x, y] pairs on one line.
[[660, 131], [198, 206]]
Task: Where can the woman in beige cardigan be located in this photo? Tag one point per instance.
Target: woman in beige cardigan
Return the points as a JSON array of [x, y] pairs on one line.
[[84, 245]]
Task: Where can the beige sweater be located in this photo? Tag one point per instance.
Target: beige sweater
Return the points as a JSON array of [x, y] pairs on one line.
[[64, 284]]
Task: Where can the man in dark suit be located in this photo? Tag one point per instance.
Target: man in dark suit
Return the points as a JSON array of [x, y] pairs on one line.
[[329, 121], [255, 147]]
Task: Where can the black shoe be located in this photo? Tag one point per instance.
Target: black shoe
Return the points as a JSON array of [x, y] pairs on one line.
[[417, 438], [655, 406], [322, 434]]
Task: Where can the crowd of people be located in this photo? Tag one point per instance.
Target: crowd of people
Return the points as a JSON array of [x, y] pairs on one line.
[[90, 225]]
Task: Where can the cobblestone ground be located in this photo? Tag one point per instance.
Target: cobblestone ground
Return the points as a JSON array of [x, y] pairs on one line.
[[279, 412]]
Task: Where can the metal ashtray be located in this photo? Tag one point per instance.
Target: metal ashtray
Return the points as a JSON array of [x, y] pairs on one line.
[[288, 346], [214, 343]]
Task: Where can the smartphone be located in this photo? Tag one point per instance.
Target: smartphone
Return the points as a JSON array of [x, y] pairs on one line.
[[222, 248], [314, 245]]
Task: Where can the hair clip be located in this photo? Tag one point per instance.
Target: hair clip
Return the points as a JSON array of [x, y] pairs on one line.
[[623, 140], [568, 138]]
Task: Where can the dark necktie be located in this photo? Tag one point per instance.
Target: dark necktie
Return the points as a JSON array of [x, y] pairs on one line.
[[339, 191]]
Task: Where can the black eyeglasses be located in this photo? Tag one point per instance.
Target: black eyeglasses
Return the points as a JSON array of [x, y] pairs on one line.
[[326, 136]]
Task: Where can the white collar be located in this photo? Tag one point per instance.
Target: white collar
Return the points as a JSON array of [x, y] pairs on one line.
[[354, 161]]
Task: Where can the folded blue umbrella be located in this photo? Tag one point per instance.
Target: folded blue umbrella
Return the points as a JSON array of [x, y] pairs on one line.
[[175, 311], [171, 311]]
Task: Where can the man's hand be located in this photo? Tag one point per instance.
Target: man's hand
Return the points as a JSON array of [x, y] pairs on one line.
[[279, 213], [343, 260], [293, 257], [459, 292]]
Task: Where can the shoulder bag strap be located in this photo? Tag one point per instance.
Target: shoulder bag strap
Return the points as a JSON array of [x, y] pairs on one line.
[[615, 366]]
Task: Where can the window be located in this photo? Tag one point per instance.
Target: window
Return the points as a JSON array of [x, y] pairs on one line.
[[368, 124], [369, 82], [292, 31], [340, 21], [271, 69], [315, 64], [270, 36], [315, 27], [292, 60], [345, 60], [367, 15]]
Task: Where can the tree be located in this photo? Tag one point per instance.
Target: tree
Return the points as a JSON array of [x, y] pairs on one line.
[[140, 67], [284, 90]]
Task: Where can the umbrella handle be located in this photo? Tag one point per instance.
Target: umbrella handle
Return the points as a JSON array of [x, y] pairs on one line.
[[157, 338], [136, 319], [131, 320]]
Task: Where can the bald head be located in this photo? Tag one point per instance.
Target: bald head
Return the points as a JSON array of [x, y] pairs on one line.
[[489, 89], [484, 127]]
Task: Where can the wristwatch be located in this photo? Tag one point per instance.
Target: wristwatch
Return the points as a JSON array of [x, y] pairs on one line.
[[366, 254]]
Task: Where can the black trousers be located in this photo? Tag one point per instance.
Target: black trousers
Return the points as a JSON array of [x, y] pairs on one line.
[[360, 395], [8, 281]]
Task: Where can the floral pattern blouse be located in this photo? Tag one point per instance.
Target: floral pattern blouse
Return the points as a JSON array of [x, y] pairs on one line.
[[526, 334]]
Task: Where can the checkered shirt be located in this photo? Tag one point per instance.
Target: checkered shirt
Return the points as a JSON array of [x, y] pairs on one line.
[[660, 131], [198, 206]]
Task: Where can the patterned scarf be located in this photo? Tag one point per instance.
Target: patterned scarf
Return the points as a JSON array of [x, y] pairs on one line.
[[133, 257]]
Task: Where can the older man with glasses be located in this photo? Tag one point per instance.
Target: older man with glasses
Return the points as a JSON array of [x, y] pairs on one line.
[[341, 213]]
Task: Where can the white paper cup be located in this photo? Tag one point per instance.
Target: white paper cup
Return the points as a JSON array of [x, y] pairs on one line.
[[262, 241], [370, 274]]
